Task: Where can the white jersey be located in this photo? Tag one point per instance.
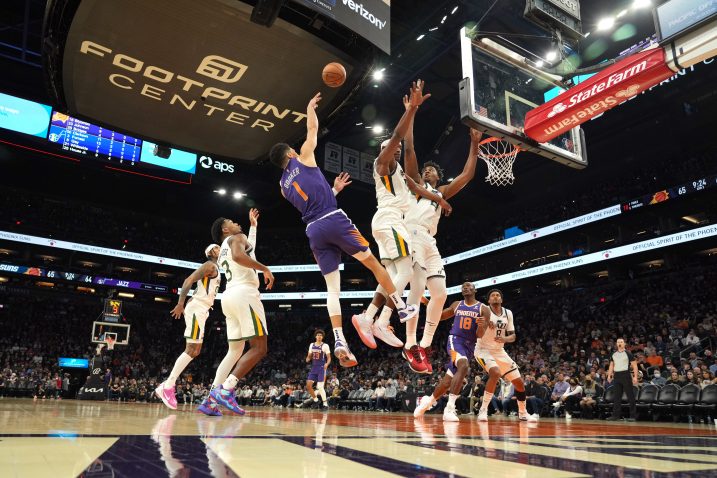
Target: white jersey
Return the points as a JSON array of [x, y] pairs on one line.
[[207, 289], [237, 275], [503, 323], [392, 190], [424, 212]]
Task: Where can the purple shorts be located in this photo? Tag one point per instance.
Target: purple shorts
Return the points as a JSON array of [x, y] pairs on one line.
[[457, 347], [330, 236], [317, 375]]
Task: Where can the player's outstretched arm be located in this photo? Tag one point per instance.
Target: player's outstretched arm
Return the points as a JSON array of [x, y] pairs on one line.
[[306, 156], [410, 161], [450, 311], [425, 193], [237, 243], [469, 170], [253, 224], [328, 357], [385, 161], [483, 321], [200, 273]]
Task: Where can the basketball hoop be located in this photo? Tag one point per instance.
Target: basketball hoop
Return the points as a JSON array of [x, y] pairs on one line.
[[499, 155], [110, 342]]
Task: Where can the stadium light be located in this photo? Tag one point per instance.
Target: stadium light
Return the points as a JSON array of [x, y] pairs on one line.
[[378, 75], [539, 63], [606, 23], [552, 55], [221, 192], [420, 37], [444, 19], [641, 4], [455, 9], [377, 129], [238, 195], [621, 14]]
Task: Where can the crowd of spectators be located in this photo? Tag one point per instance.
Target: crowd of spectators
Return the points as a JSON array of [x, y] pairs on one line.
[[565, 339]]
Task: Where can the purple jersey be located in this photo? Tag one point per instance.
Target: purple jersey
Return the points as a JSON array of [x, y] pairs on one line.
[[307, 189], [318, 356], [465, 321]]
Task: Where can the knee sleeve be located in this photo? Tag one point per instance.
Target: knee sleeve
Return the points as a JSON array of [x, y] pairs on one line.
[[418, 284], [404, 270], [333, 287]]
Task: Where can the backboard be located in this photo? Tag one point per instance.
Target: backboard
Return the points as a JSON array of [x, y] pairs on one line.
[[102, 330], [500, 85]]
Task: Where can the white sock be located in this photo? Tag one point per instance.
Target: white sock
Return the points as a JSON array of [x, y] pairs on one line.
[[487, 397], [179, 366], [339, 334], [236, 349], [429, 329], [411, 327], [230, 383], [385, 316], [452, 400], [316, 399], [522, 408], [400, 304], [371, 311], [322, 392]]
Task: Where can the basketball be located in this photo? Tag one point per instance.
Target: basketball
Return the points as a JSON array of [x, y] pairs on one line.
[[334, 75]]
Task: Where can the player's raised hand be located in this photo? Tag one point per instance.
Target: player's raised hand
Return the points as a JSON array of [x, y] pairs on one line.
[[406, 102], [341, 181], [177, 311], [315, 101], [476, 136], [447, 208], [268, 279], [417, 97], [253, 216]]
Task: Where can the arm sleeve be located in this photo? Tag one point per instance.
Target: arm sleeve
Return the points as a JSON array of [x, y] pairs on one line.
[[309, 351], [251, 239], [511, 327]]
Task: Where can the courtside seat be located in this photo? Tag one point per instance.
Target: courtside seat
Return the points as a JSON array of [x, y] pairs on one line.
[[625, 405], [707, 406], [687, 398], [605, 404], [665, 399], [647, 397]]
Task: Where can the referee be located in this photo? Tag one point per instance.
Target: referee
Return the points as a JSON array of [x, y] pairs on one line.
[[620, 365]]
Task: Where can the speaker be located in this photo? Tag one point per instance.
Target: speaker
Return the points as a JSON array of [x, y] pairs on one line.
[[162, 151], [266, 11]]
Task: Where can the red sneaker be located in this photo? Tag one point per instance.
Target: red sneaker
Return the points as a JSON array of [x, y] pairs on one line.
[[425, 355], [413, 357]]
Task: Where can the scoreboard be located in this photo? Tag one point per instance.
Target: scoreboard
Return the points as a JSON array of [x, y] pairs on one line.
[[693, 186]]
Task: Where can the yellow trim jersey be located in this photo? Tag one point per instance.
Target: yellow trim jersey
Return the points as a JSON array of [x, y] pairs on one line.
[[207, 288], [392, 190], [237, 275], [424, 212]]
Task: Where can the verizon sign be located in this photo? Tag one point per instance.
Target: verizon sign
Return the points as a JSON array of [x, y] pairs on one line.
[[612, 86]]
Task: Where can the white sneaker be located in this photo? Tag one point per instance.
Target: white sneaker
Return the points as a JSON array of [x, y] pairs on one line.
[[383, 332], [527, 417], [363, 324], [483, 416], [404, 315], [449, 414], [424, 404], [568, 416]]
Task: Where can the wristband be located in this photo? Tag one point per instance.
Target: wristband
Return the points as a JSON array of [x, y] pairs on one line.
[[336, 193]]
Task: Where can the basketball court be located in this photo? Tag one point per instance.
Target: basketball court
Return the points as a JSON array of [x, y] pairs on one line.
[[47, 438]]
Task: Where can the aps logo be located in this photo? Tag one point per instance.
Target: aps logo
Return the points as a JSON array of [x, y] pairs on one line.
[[208, 163]]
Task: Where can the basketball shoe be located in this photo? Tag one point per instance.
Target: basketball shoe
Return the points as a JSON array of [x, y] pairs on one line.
[[384, 331], [227, 399], [527, 417], [342, 352], [210, 407], [449, 413], [413, 357], [424, 404], [363, 324], [167, 396], [483, 416], [407, 313]]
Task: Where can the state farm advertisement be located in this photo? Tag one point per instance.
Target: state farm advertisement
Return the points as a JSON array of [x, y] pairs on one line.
[[593, 97]]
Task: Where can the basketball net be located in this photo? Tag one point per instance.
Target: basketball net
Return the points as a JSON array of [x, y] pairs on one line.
[[110, 343], [499, 155]]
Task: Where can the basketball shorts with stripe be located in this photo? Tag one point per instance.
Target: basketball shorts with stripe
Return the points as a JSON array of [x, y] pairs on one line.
[[244, 313], [390, 232], [195, 318], [489, 358], [425, 252]]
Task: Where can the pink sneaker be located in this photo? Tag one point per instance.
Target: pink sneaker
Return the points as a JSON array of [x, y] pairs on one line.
[[363, 326], [167, 395]]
